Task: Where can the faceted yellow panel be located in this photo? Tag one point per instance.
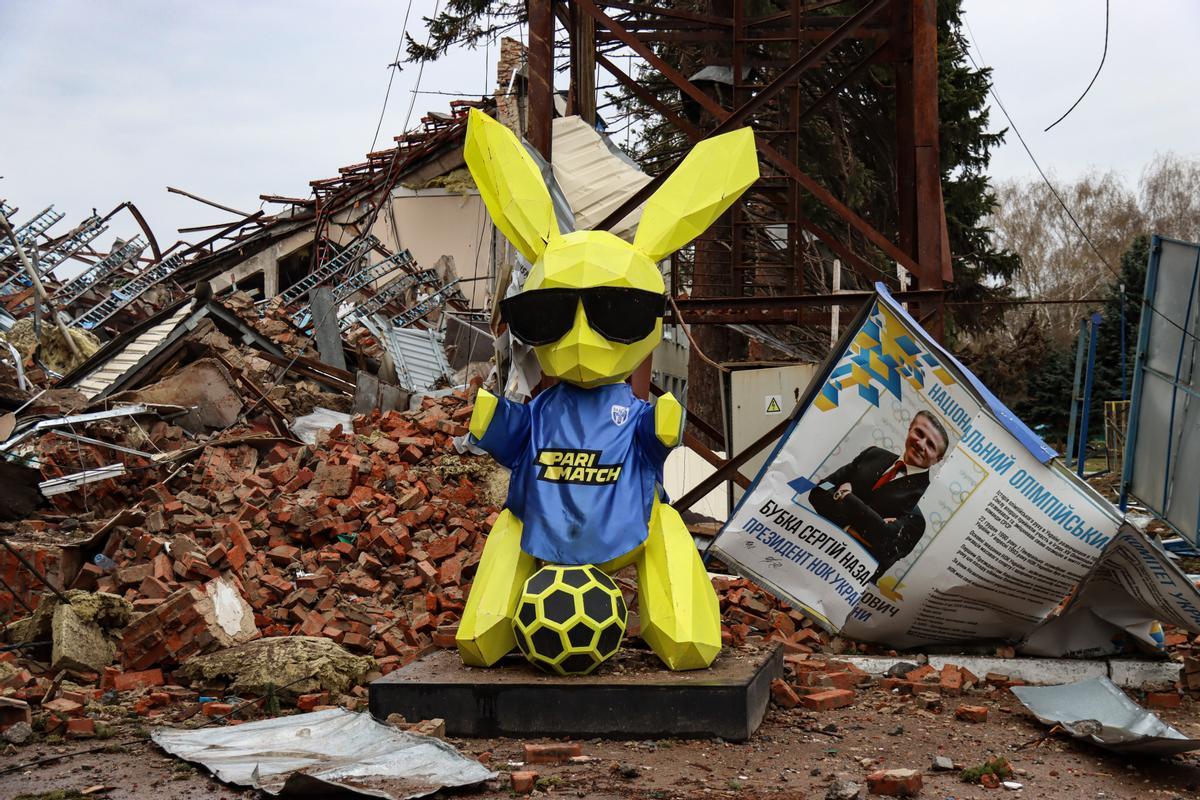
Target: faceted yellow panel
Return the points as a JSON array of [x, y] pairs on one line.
[[482, 413], [580, 260], [485, 633], [680, 614], [708, 182], [510, 184], [668, 419]]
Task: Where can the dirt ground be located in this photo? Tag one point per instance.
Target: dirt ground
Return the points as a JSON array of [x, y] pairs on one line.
[[794, 754]]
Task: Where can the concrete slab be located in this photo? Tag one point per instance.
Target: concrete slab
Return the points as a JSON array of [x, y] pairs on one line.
[[1126, 673], [1151, 675], [1036, 671], [633, 698]]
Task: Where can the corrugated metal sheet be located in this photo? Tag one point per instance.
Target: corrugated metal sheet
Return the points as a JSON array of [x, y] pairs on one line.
[[102, 377], [594, 178], [419, 358]]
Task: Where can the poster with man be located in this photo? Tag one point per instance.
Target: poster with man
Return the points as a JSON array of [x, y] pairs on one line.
[[874, 498], [907, 505]]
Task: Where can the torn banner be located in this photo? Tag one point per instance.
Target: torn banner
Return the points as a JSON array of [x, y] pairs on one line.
[[907, 505]]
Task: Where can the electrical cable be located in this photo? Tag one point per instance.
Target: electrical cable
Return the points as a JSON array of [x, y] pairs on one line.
[[394, 67], [1103, 56]]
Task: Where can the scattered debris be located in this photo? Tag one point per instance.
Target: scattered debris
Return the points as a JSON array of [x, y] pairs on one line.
[[326, 751], [320, 665], [943, 764], [843, 790]]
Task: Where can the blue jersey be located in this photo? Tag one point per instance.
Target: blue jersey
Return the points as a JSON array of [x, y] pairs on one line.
[[585, 463]]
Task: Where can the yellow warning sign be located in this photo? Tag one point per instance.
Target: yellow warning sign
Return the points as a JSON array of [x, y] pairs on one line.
[[774, 404]]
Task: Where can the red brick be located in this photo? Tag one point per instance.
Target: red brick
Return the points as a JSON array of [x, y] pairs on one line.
[[356, 641], [427, 571], [971, 713], [63, 707], [307, 702], [81, 727], [969, 679], [895, 782], [839, 680], [828, 699], [951, 681], [216, 709], [284, 554], [919, 673], [784, 694], [523, 781], [152, 587], [13, 711], [78, 697], [128, 681], [445, 637], [1163, 700], [551, 753]]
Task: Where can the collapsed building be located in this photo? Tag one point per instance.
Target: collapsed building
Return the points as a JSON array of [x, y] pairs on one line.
[[251, 437]]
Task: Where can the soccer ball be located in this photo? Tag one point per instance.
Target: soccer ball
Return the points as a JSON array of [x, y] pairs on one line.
[[569, 620]]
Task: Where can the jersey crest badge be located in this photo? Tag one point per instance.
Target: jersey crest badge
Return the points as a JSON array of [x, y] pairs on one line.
[[620, 414]]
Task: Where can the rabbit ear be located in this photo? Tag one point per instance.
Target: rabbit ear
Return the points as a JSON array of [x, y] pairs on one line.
[[510, 184], [708, 181]]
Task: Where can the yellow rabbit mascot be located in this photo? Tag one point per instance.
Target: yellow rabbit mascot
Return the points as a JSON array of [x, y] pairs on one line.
[[586, 455]]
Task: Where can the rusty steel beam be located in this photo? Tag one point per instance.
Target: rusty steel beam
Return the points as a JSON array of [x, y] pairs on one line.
[[650, 99], [695, 134], [876, 56], [541, 75], [730, 468], [670, 13], [693, 418], [583, 66], [778, 309], [700, 35], [925, 119], [792, 73], [693, 442], [207, 202], [141, 221], [785, 164]]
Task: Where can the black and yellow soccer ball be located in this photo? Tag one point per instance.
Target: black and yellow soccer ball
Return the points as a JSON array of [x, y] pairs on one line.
[[569, 620]]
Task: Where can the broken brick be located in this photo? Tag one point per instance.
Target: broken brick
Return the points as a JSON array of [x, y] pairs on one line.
[[523, 781], [129, 681], [828, 699], [1163, 700], [895, 782], [13, 711], [784, 694], [81, 726], [971, 713], [551, 753]]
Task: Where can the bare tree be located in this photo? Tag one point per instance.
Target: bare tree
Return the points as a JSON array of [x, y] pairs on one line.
[[1169, 194], [1057, 260]]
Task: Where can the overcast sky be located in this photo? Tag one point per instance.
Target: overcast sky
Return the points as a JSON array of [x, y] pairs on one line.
[[115, 100]]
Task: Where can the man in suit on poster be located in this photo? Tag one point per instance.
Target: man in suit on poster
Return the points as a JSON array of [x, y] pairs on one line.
[[874, 497]]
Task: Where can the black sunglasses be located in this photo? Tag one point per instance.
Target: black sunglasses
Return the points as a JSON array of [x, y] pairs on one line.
[[617, 313]]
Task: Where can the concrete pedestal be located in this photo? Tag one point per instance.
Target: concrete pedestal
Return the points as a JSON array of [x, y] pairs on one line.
[[632, 697]]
